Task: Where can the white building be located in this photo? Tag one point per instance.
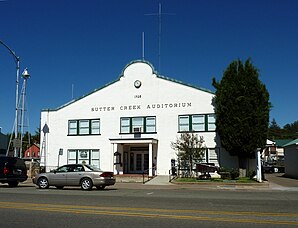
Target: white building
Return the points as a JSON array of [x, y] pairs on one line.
[[128, 125], [291, 159]]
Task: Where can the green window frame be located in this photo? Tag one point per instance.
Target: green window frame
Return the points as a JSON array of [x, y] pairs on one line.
[[84, 127], [139, 124], [72, 127], [150, 124], [196, 123], [95, 127], [184, 123]]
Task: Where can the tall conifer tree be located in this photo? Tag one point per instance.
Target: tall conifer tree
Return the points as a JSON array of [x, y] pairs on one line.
[[242, 110]]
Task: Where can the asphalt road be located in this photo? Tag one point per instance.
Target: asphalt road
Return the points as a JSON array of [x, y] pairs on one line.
[[153, 207]]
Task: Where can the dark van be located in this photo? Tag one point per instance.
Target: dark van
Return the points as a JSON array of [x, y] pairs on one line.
[[12, 171]]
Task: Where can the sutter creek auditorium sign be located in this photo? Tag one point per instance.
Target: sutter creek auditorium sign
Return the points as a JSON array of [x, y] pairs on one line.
[[138, 107]]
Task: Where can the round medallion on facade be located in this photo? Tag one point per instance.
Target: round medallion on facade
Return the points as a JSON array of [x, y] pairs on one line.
[[138, 84]]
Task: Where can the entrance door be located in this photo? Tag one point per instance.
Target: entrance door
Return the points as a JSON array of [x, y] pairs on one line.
[[139, 162]]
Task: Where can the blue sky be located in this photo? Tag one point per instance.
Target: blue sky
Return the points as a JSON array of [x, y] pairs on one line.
[[85, 44]]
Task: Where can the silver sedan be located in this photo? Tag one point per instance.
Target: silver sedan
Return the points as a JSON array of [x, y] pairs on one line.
[[85, 176]]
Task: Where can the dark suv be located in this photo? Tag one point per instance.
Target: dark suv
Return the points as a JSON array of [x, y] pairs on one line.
[[12, 171]]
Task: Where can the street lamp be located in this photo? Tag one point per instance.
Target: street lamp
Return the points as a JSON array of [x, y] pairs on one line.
[[17, 61]]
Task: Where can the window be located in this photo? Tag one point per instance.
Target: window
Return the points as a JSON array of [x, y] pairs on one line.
[[125, 125], [72, 127], [84, 156], [84, 127], [150, 124], [211, 122], [183, 123], [211, 156], [197, 122], [138, 124], [95, 127]]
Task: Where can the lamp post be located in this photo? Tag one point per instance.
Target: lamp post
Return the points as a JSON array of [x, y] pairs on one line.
[[17, 61]]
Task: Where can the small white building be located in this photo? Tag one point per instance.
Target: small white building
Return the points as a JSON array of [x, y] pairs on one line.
[[128, 125], [291, 159]]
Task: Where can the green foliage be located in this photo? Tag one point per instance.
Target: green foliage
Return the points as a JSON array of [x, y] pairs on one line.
[[242, 110], [289, 131], [251, 174], [229, 173], [189, 148]]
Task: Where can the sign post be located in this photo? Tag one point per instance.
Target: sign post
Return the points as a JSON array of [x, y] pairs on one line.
[[60, 153]]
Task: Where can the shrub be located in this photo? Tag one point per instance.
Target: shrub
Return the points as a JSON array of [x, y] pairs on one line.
[[227, 173], [251, 174], [234, 174]]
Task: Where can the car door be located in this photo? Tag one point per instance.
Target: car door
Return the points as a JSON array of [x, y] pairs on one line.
[[59, 176], [75, 174]]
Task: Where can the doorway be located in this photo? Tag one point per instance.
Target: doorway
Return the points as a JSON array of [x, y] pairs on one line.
[[138, 160]]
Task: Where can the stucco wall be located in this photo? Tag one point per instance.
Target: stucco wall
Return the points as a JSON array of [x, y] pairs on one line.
[[157, 96], [291, 161]]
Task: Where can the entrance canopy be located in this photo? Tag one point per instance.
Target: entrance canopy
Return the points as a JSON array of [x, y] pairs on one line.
[[137, 158], [134, 140]]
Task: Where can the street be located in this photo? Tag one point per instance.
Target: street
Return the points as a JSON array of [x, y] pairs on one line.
[[153, 207]]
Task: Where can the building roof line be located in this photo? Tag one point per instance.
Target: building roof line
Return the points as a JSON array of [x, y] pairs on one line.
[[118, 79]]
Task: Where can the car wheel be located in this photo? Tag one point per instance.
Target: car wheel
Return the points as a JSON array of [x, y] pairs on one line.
[[86, 184], [12, 184], [60, 187], [100, 187], [43, 183]]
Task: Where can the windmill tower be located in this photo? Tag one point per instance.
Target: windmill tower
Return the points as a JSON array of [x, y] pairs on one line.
[[23, 111]]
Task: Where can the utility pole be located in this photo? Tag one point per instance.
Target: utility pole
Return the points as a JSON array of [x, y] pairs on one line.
[[17, 61], [159, 14]]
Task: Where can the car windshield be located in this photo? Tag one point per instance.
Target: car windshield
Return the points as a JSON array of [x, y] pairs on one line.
[[92, 168]]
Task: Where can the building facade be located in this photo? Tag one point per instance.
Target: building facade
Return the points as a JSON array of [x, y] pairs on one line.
[[33, 152], [291, 159], [128, 125], [4, 139]]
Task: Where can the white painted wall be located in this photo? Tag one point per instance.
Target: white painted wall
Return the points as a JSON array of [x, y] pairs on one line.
[[291, 161], [122, 99]]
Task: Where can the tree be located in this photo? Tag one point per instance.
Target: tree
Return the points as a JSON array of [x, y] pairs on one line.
[[291, 130], [36, 137], [274, 131], [189, 148], [242, 111]]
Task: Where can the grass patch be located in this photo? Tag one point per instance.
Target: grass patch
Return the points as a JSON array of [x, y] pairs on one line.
[[195, 180]]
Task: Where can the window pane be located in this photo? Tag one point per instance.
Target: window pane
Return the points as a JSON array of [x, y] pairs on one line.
[[72, 157], [83, 127], [138, 122], [183, 123], [198, 123], [83, 157], [150, 124], [95, 158], [125, 124], [72, 127], [211, 122], [95, 127]]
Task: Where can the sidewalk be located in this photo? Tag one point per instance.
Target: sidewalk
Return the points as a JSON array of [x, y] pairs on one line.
[[275, 182]]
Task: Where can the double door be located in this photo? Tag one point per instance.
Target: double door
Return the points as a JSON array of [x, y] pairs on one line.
[[138, 162]]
